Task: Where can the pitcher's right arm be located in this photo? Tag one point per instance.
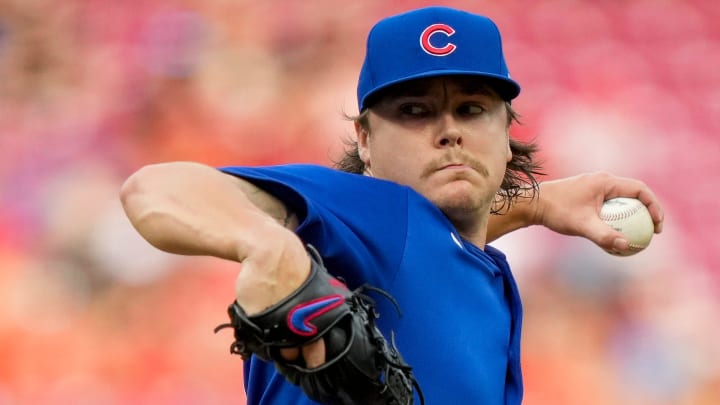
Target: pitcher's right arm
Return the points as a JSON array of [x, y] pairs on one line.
[[192, 209]]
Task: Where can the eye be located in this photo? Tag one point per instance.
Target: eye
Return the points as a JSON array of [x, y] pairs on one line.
[[471, 109], [413, 109]]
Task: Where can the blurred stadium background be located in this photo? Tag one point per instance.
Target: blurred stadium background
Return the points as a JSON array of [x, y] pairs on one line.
[[90, 90]]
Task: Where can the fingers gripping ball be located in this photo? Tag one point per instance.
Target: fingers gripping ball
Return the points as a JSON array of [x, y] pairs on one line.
[[630, 217], [360, 366]]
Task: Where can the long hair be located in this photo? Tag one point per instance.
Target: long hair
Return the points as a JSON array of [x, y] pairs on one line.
[[520, 174]]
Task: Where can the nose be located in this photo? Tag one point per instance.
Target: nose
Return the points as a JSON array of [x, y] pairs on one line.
[[449, 133]]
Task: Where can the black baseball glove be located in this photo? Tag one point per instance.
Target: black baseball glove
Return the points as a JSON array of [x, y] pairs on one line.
[[360, 367]]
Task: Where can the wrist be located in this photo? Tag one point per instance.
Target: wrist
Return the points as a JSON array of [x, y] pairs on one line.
[[536, 208], [527, 209], [274, 267], [523, 213]]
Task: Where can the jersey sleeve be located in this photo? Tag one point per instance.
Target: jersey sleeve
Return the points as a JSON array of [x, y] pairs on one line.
[[357, 223]]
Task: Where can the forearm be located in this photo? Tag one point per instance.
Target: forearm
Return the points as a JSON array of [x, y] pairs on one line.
[[191, 209], [571, 206], [521, 214]]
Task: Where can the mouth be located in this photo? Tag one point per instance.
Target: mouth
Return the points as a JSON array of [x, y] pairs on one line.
[[455, 169], [454, 166]]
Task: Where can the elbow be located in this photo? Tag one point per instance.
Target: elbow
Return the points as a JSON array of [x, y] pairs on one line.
[[129, 189], [133, 187], [138, 192], [144, 198]]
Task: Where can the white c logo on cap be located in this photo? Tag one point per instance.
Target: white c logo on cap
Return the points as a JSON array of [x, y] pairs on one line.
[[430, 48]]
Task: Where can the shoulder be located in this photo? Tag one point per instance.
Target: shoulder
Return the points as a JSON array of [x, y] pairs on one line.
[[284, 171], [315, 181]]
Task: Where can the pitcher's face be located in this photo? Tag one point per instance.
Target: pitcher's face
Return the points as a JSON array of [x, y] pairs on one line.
[[445, 137]]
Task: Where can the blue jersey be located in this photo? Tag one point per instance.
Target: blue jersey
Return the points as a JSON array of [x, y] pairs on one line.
[[461, 311]]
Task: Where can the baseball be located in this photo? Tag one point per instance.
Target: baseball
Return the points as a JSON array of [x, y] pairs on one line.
[[630, 217]]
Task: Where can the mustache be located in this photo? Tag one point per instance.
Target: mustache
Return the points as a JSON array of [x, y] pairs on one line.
[[454, 158]]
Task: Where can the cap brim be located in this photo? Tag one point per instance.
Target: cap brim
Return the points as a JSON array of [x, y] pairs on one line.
[[506, 88]]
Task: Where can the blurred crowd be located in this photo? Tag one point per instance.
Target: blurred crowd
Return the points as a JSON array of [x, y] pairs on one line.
[[91, 90]]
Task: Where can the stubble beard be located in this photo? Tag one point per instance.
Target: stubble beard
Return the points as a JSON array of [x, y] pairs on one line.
[[466, 204], [468, 200]]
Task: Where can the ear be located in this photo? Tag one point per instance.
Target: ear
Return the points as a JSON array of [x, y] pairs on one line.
[[363, 139]]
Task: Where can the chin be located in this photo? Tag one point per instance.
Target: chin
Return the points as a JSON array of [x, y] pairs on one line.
[[458, 200]]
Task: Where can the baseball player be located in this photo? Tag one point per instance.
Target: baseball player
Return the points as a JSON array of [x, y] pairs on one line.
[[375, 284]]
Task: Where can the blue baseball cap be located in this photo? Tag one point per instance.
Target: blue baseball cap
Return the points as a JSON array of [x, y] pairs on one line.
[[433, 41]]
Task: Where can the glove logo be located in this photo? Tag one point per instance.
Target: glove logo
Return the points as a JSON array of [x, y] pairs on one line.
[[299, 317], [432, 49]]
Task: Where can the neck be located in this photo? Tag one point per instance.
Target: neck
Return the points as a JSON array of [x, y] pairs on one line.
[[472, 229]]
